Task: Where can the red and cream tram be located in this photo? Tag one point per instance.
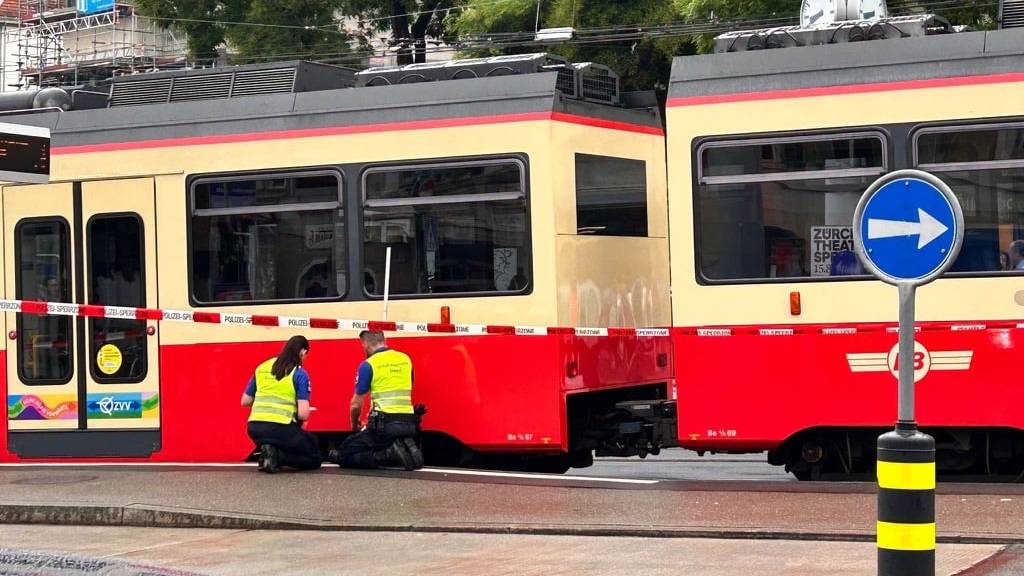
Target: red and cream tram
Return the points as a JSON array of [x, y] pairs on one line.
[[783, 343], [233, 194]]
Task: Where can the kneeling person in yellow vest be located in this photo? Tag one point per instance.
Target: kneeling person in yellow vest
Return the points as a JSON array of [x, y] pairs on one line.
[[389, 436], [279, 395]]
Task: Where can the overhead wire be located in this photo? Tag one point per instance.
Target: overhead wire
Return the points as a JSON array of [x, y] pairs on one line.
[[326, 27], [620, 33], [323, 27], [604, 35]]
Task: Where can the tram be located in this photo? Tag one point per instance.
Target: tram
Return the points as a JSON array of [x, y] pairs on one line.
[[510, 192], [783, 342], [280, 189]]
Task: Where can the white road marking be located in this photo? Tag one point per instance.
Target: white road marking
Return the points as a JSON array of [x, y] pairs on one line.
[[125, 464], [457, 471], [453, 471]]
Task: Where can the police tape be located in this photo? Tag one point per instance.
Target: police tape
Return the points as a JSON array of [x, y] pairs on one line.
[[844, 329], [271, 321], [34, 307]]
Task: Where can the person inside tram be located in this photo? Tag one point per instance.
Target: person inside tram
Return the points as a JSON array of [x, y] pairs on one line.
[[1004, 261], [279, 396], [49, 291], [1017, 255]]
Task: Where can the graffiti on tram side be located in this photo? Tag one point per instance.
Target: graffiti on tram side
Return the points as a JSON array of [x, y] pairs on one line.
[[44, 407]]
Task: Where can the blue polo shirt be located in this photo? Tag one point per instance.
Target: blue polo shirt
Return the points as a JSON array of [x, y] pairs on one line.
[[300, 379]]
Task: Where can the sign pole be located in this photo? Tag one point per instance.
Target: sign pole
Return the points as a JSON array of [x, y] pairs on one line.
[[906, 471], [907, 229], [905, 356]]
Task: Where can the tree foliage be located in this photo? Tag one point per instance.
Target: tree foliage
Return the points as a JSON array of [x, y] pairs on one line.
[[408, 22], [641, 64], [313, 32], [273, 29], [761, 13], [977, 14]]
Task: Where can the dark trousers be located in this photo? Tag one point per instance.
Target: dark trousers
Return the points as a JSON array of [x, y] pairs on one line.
[[297, 448], [357, 450]]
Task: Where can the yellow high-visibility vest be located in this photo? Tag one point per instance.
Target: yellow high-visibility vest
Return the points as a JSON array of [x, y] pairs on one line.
[[275, 399], [391, 387]]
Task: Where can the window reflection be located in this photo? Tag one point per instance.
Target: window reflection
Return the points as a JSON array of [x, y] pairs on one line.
[[451, 229], [268, 238], [44, 273], [984, 166]]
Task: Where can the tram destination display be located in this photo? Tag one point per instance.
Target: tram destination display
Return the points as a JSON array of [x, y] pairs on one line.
[[24, 154]]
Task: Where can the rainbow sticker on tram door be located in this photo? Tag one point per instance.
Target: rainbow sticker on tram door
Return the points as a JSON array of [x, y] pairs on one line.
[[114, 406], [150, 405], [46, 407]]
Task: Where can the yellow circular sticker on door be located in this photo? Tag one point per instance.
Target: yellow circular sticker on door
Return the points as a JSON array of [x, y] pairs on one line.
[[108, 359]]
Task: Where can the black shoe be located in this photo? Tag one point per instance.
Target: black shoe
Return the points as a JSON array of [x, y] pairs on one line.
[[269, 459], [414, 451], [395, 455], [332, 456]]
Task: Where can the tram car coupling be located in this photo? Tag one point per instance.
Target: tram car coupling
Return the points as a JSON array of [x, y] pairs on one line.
[[638, 428]]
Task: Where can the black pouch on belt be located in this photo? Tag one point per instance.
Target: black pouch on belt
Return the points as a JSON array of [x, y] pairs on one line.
[[375, 422]]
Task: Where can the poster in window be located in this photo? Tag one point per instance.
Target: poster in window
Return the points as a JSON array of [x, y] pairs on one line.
[[832, 246], [506, 264]]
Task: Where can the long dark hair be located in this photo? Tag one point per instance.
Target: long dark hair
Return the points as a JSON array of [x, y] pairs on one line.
[[289, 358]]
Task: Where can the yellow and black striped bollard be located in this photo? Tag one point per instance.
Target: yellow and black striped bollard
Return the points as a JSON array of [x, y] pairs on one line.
[[906, 502]]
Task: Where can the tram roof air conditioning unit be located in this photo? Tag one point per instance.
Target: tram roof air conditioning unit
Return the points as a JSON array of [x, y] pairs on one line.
[[228, 82], [465, 69], [833, 33], [596, 83], [1011, 14]]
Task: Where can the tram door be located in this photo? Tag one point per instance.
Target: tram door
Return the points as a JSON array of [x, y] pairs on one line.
[[82, 386]]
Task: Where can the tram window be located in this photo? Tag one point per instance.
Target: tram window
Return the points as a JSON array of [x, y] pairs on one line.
[[971, 145], [44, 273], [611, 196], [452, 228], [265, 191], [268, 238], [984, 166], [116, 278], [781, 156], [444, 180], [782, 208]]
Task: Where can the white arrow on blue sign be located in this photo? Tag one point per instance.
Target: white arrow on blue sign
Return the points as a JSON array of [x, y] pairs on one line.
[[908, 227]]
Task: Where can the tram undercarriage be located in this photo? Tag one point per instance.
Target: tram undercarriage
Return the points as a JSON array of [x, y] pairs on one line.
[[624, 422], [995, 454]]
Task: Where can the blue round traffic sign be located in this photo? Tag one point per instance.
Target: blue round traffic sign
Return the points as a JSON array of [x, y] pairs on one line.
[[908, 227]]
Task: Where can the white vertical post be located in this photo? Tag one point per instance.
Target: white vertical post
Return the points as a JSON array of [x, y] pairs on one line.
[[387, 280]]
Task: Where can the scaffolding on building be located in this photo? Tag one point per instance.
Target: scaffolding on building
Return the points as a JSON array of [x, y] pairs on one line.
[[59, 46]]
